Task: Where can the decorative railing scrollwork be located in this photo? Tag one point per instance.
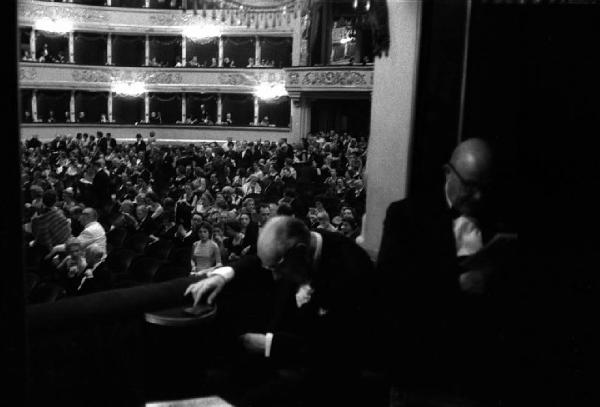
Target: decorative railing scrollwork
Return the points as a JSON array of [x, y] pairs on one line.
[[350, 78]]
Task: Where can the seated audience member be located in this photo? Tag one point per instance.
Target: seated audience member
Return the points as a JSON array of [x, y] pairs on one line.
[[45, 54], [439, 312], [233, 243], [155, 118], [49, 225], [349, 227], [213, 63], [323, 222], [82, 117], [250, 63], [193, 63], [92, 232], [251, 187], [318, 286], [60, 58], [27, 118], [249, 229], [67, 117], [146, 224], [205, 252], [226, 62], [26, 56], [179, 63], [103, 118], [96, 276], [228, 121], [70, 269], [51, 118], [265, 121]]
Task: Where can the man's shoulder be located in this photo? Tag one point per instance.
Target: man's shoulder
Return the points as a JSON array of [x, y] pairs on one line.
[[415, 205]]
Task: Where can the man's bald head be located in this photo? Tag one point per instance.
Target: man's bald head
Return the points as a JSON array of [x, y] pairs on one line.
[[473, 160], [279, 234], [468, 172]]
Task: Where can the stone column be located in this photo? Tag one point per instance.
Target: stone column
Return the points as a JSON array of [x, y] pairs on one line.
[[147, 51], [32, 44], [256, 112], [300, 117], [146, 107], [108, 3], [34, 115], [109, 108], [72, 107], [71, 47], [183, 107], [257, 49], [147, 4], [183, 49], [220, 51], [297, 41], [392, 111], [219, 108], [109, 49]]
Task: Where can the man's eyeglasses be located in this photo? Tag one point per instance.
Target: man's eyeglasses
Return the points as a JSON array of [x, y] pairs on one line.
[[470, 186]]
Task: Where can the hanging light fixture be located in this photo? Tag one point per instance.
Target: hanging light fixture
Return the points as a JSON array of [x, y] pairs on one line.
[[128, 88], [58, 26], [270, 91]]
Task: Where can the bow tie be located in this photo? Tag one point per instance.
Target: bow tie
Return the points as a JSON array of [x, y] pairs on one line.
[[454, 213]]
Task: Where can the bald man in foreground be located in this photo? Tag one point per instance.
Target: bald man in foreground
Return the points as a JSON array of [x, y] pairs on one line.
[[302, 304], [440, 314]]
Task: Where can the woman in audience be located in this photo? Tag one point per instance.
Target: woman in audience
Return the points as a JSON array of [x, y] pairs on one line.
[[205, 252], [234, 241]]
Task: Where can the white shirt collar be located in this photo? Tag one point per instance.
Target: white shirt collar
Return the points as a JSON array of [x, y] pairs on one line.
[[318, 247]]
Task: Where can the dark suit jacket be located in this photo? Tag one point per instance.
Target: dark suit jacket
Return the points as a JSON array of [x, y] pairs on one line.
[[100, 281], [139, 146], [332, 329], [245, 159], [101, 187], [148, 226], [427, 318]]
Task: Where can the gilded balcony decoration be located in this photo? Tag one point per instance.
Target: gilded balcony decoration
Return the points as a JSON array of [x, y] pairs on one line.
[[99, 19], [330, 78], [242, 80]]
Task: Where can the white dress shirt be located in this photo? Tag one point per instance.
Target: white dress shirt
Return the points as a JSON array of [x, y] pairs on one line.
[[467, 234]]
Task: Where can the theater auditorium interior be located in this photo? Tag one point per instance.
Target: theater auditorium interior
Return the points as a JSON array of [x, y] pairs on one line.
[[290, 202]]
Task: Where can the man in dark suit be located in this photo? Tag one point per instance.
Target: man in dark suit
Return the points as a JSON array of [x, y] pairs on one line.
[[101, 184], [246, 157], [140, 144], [303, 304], [440, 315], [146, 224], [97, 276]]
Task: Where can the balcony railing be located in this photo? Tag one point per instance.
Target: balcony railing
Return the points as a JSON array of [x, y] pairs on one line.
[[329, 79], [102, 78], [156, 21]]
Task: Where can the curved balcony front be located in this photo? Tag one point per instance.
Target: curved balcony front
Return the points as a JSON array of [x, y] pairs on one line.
[[151, 21], [171, 134], [182, 80]]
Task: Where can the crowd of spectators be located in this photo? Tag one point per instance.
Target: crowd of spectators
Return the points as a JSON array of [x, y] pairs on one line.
[[46, 56], [89, 199]]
